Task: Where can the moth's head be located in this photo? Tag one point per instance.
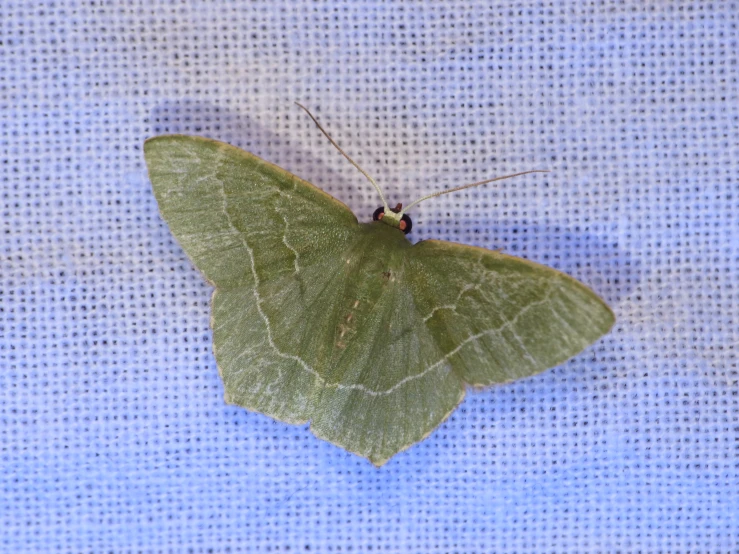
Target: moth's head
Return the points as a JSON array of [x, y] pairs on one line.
[[394, 218]]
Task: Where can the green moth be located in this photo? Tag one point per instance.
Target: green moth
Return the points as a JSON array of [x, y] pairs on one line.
[[319, 318]]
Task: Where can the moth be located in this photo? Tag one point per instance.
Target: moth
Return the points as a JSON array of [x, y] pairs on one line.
[[319, 318]]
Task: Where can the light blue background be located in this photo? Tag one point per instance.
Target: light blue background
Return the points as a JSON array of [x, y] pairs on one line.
[[114, 436]]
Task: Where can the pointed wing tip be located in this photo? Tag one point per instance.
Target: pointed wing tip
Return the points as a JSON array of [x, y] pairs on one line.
[[179, 137], [609, 317], [151, 141], [162, 145], [159, 138], [612, 320]]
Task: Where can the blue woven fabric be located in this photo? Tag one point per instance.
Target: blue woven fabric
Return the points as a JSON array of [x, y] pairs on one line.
[[114, 436]]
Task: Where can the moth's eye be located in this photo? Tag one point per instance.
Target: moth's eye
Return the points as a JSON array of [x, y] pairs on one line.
[[379, 212], [406, 224]]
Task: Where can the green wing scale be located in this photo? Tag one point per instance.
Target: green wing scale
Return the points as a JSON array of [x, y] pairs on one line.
[[318, 318]]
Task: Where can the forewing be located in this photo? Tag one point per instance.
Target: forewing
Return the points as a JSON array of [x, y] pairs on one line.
[[196, 180], [266, 239], [497, 318]]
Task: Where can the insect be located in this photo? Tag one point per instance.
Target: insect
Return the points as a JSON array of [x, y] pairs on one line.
[[319, 318]]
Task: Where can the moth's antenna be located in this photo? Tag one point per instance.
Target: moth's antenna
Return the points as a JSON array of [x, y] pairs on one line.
[[455, 189], [362, 171]]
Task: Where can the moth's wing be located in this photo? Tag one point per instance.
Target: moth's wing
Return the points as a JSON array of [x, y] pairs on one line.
[[266, 239], [497, 318], [212, 195]]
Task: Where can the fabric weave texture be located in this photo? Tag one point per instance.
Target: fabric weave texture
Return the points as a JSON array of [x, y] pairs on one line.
[[114, 436]]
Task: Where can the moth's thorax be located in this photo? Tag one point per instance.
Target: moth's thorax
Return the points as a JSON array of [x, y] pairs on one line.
[[383, 236]]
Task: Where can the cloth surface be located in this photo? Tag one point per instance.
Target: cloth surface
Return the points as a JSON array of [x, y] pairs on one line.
[[113, 430]]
